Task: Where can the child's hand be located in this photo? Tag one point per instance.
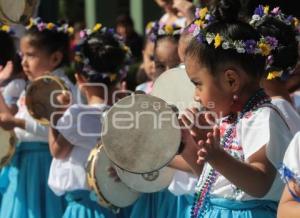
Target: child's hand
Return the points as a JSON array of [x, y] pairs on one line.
[[113, 174], [210, 148], [199, 123], [64, 100], [7, 121], [5, 72]]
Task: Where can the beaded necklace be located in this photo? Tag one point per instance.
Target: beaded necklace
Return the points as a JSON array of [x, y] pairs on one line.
[[201, 198]]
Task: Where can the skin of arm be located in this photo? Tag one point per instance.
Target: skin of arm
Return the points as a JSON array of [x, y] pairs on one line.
[[288, 207], [255, 177]]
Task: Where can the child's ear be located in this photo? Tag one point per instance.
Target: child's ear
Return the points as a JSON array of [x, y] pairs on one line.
[[232, 78], [56, 58]]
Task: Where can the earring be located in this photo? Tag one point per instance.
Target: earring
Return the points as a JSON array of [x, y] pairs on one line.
[[235, 98]]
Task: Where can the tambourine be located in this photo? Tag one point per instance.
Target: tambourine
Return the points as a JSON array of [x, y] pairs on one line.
[[41, 99], [147, 182], [175, 87], [17, 11], [111, 194], [7, 146], [141, 134]]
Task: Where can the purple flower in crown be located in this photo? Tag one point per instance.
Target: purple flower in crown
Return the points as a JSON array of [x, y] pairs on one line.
[[290, 19], [272, 41], [200, 37], [197, 12], [259, 11], [270, 60], [250, 46], [192, 28], [276, 11], [82, 34], [41, 26]]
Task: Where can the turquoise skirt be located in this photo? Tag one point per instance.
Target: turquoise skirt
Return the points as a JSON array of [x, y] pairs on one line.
[[162, 204], [80, 205], [223, 208], [27, 194]]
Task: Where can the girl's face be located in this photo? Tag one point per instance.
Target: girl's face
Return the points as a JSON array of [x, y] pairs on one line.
[[212, 92], [148, 60], [36, 62], [165, 56]]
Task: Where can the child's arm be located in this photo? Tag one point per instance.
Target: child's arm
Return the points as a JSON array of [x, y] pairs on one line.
[[255, 177], [180, 164], [60, 148], [288, 207], [9, 122]]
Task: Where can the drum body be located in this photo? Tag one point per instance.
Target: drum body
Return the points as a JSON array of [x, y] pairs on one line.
[[148, 182], [141, 133], [110, 194], [41, 96], [7, 146], [17, 11]]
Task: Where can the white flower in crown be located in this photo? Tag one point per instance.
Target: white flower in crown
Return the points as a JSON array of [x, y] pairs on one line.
[[196, 31], [226, 45], [210, 38], [254, 19], [240, 46]]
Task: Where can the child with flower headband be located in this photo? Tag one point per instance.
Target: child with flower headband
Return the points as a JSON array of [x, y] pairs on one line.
[[281, 61], [99, 60], [44, 49], [163, 39], [148, 58], [226, 61]]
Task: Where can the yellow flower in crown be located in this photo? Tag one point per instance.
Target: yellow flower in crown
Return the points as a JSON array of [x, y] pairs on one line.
[[199, 23], [266, 9], [70, 30], [296, 22], [218, 40], [50, 26], [265, 49], [31, 23], [126, 48], [149, 26], [97, 27], [112, 77], [274, 74], [203, 12], [5, 28], [169, 29]]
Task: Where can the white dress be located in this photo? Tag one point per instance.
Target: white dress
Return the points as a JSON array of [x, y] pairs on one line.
[[263, 127], [290, 169]]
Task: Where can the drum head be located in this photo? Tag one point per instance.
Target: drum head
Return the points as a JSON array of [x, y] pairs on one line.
[[149, 182], [7, 146], [141, 133], [16, 11], [41, 99], [175, 87], [117, 193]]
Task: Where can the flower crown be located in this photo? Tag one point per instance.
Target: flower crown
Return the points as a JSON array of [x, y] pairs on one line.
[[262, 47], [203, 19], [41, 26], [6, 28], [156, 29], [261, 12], [84, 34]]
